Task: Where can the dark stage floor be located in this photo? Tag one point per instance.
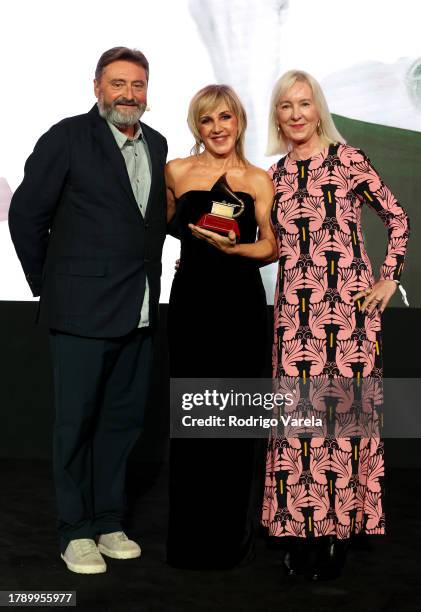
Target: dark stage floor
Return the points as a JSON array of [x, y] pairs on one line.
[[385, 578]]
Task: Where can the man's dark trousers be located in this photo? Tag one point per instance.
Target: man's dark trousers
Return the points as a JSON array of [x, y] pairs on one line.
[[101, 387]]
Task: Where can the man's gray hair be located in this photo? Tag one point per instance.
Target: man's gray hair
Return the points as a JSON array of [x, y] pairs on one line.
[[121, 54]]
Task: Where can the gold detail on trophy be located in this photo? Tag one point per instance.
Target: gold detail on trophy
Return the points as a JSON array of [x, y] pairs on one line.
[[329, 197], [303, 304], [331, 340], [352, 523], [310, 526], [331, 486], [368, 196], [224, 209], [302, 171], [355, 452], [332, 267], [305, 448], [222, 217], [281, 487], [303, 232], [354, 237], [377, 348]]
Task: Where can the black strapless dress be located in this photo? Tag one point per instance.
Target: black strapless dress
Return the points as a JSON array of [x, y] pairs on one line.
[[216, 329]]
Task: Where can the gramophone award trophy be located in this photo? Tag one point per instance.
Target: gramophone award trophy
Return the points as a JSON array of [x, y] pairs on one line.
[[222, 218]]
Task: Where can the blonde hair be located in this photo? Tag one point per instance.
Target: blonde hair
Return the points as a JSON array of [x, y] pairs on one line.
[[277, 143], [206, 100]]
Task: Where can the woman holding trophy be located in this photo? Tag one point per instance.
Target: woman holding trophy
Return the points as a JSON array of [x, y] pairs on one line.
[[217, 202]]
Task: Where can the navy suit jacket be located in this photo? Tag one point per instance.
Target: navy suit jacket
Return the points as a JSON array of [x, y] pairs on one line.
[[84, 245]]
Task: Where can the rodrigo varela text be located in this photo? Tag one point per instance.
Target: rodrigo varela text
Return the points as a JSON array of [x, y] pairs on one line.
[[233, 421]]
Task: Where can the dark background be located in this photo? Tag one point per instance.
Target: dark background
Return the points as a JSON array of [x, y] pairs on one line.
[[382, 572], [27, 411]]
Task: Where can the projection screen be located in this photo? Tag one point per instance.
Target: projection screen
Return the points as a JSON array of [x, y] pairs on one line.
[[366, 55]]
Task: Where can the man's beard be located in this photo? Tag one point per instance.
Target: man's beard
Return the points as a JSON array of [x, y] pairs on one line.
[[119, 118]]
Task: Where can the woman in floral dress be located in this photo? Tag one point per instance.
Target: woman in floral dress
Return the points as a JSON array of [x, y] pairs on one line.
[[323, 489]]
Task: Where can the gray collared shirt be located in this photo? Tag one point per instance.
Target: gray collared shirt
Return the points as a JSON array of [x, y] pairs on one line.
[[136, 156]]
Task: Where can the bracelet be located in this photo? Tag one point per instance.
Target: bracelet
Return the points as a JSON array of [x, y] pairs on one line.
[[403, 292]]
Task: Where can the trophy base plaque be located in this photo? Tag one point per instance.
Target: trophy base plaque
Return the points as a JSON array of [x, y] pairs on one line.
[[219, 224]]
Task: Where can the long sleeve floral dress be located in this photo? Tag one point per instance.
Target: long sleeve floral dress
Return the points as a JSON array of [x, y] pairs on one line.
[[328, 484]]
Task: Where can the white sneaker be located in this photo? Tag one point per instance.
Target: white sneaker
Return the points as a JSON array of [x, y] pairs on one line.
[[118, 546], [83, 557]]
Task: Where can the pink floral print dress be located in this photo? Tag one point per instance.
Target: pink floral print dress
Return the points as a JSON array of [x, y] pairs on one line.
[[328, 484]]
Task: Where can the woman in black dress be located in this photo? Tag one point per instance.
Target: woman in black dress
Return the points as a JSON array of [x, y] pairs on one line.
[[216, 327]]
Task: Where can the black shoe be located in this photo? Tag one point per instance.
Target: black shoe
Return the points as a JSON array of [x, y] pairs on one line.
[[296, 557], [329, 559]]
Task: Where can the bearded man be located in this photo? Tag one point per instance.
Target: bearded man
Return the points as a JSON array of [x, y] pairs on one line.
[[88, 225]]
